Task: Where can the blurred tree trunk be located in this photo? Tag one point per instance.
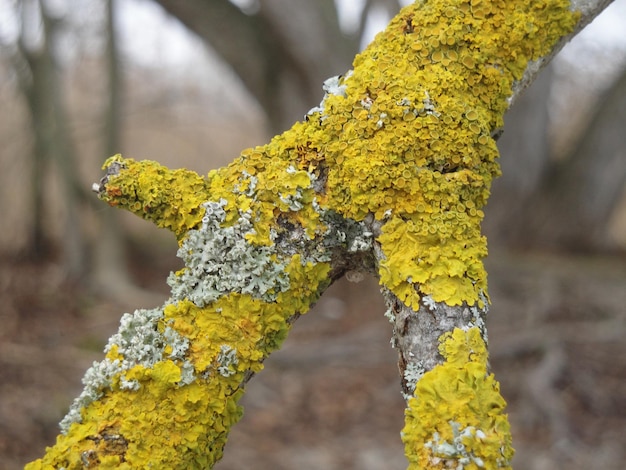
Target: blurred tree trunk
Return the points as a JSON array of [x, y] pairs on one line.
[[40, 83], [574, 205], [27, 67], [282, 53], [110, 273], [564, 204], [524, 158]]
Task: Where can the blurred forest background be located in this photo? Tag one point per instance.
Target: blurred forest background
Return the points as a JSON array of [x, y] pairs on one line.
[[191, 84]]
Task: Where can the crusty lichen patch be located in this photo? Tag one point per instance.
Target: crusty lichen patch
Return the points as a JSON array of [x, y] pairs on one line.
[[456, 417], [409, 137]]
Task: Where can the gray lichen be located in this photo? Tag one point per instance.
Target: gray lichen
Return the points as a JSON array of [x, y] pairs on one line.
[[412, 374], [219, 260], [332, 86], [227, 361], [455, 454], [139, 342]]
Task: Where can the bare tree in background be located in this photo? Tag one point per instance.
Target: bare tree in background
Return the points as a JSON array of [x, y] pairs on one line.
[[576, 198], [282, 51], [35, 61], [109, 273]]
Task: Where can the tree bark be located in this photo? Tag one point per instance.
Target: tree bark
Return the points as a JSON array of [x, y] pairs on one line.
[[389, 175]]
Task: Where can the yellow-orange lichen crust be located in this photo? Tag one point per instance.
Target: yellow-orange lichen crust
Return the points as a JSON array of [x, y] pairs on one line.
[[171, 199], [406, 136], [165, 423], [456, 417], [411, 138], [270, 181]]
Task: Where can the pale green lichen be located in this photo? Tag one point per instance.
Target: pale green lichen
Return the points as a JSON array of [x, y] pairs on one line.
[[137, 342], [413, 372], [219, 260], [227, 360], [456, 451]]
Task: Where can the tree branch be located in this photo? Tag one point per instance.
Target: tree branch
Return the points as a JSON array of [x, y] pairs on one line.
[[587, 11], [389, 174]]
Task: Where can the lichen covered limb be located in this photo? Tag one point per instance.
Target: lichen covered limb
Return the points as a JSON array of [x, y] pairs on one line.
[[456, 418], [434, 105], [455, 414], [166, 394], [423, 103], [171, 199]]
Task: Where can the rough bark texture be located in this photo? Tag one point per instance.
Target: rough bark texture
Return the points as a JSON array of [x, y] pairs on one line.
[[389, 174]]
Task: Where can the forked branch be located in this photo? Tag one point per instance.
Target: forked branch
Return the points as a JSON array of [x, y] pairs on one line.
[[389, 174]]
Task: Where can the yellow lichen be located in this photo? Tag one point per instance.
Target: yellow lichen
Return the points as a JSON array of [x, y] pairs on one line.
[[439, 113], [170, 199], [407, 140], [176, 425], [456, 416]]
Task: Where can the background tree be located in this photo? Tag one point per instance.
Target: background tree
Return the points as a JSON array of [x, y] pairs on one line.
[[36, 64], [109, 274], [43, 67], [582, 189], [282, 50]]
